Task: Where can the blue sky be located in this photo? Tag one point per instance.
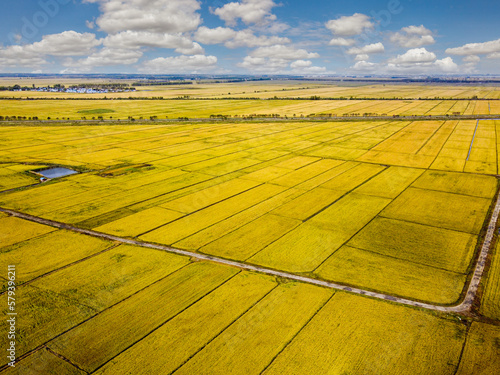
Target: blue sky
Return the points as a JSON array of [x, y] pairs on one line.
[[390, 37]]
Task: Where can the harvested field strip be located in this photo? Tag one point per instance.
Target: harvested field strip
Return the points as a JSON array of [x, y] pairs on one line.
[[115, 329], [366, 330], [188, 332]]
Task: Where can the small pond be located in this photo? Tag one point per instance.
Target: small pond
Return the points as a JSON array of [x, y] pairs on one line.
[[56, 172]]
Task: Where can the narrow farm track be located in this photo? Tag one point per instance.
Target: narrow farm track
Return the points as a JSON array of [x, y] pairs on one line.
[[464, 307]]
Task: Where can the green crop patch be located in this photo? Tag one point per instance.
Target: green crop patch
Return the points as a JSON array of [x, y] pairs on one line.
[[97, 111]]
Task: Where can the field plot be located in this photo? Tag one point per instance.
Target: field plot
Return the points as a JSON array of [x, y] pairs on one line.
[[34, 258], [13, 176], [482, 351], [490, 304], [369, 204], [196, 108], [299, 197], [364, 330]]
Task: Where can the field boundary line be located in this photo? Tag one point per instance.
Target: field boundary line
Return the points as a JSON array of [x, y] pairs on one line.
[[472, 142], [464, 307]]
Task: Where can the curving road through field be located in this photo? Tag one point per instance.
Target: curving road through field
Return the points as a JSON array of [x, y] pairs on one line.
[[464, 307]]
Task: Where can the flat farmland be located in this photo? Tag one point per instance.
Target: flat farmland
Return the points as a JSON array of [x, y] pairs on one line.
[[308, 198], [392, 207], [134, 301], [204, 108], [263, 90]]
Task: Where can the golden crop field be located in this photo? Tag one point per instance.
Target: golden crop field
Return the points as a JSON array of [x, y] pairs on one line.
[[95, 109], [214, 222]]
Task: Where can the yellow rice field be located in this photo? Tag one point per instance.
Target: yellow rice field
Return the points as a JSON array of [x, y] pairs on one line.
[[394, 207]]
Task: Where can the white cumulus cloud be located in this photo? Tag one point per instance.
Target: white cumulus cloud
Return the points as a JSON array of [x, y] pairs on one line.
[[67, 43], [416, 55], [367, 50], [342, 42], [168, 16], [412, 37], [137, 39], [471, 59], [249, 11], [301, 64], [350, 25], [446, 65], [218, 35], [108, 57], [486, 48], [235, 39], [283, 52], [180, 64], [264, 64]]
